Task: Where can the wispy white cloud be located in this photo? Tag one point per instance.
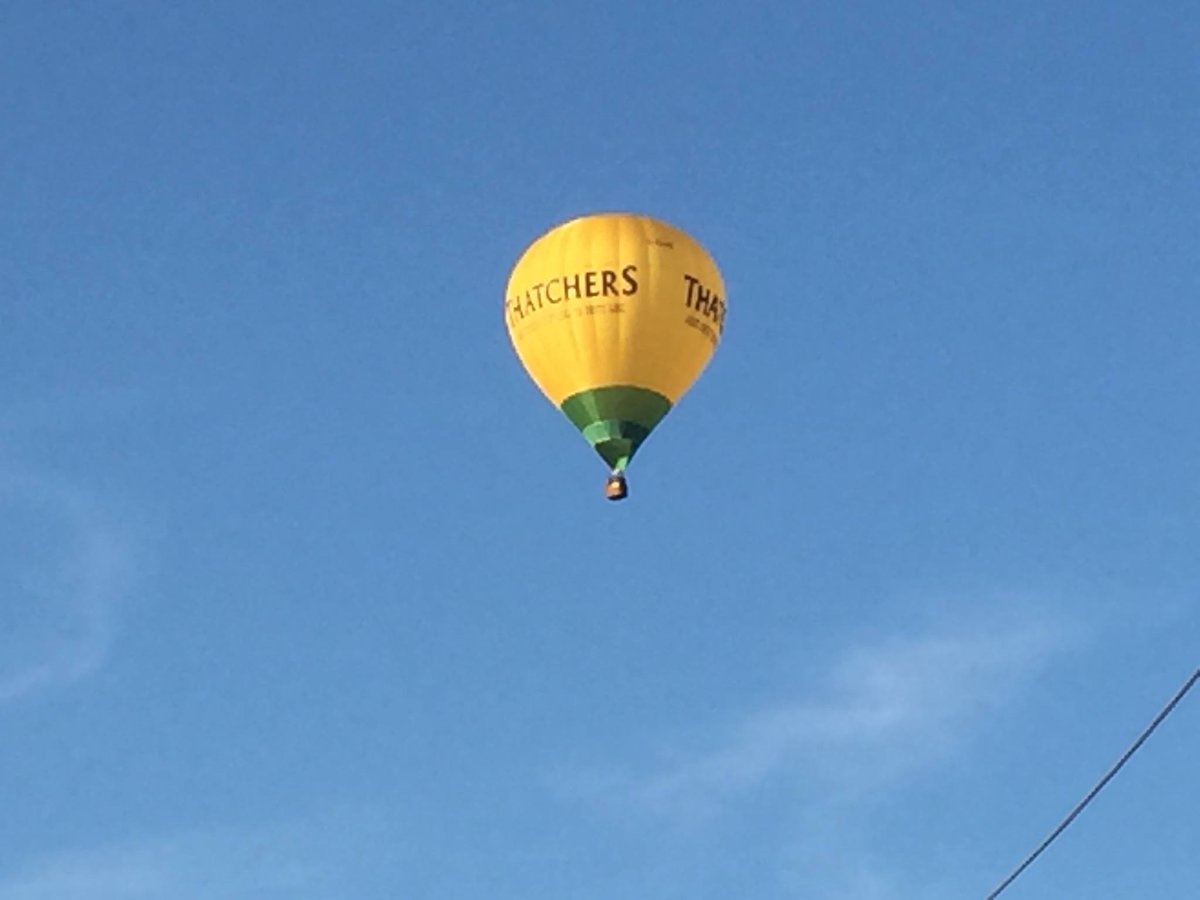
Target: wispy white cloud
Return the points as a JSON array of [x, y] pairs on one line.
[[64, 567], [880, 711], [811, 769], [307, 858]]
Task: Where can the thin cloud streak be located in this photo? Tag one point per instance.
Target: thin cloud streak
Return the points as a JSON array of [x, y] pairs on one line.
[[63, 576], [882, 711], [217, 864]]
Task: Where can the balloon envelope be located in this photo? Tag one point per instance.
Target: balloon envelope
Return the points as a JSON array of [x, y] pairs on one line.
[[614, 316]]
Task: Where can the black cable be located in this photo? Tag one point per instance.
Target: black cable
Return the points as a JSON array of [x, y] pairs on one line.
[[1166, 710]]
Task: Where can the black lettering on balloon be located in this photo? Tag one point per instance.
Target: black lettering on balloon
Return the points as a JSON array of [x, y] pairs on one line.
[[631, 284]]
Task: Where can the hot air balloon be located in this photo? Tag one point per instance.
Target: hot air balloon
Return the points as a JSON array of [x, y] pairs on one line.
[[614, 316]]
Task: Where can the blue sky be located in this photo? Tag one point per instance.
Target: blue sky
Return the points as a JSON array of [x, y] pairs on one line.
[[305, 592]]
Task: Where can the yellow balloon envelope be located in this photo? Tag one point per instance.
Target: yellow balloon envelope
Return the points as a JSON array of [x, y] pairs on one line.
[[614, 316]]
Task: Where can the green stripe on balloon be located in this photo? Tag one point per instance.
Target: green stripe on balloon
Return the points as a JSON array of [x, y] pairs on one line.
[[615, 420]]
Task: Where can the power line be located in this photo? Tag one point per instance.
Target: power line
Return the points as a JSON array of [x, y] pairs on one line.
[[1062, 826]]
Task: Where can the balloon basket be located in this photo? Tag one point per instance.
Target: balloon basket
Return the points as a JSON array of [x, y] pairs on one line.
[[616, 488]]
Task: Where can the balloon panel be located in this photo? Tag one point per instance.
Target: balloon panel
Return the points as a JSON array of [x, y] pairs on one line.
[[615, 300]]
